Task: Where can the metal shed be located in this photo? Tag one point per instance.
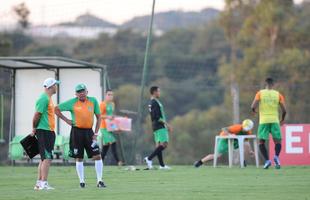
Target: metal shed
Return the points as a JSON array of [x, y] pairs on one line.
[[27, 76]]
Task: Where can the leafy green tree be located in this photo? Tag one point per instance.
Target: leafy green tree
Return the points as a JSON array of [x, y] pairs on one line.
[[194, 133], [23, 12], [50, 50]]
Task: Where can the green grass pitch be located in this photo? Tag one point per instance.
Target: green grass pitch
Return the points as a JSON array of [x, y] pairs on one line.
[[182, 182]]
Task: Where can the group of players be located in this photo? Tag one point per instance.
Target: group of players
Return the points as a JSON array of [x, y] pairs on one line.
[[269, 101], [83, 108], [82, 137]]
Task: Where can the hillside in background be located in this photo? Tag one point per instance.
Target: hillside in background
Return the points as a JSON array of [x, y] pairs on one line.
[[164, 21], [173, 19], [89, 20]]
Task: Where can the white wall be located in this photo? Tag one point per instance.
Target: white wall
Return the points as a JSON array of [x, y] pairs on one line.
[[29, 86], [69, 79]]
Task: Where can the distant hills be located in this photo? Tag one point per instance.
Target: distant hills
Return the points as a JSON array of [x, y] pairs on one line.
[[163, 21], [89, 20], [173, 19]]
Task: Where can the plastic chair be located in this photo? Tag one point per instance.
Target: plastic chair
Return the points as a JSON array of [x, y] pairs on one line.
[[58, 148], [16, 151], [241, 139], [59, 141], [66, 149]]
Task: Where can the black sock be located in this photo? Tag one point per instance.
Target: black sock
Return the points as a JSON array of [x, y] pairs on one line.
[[263, 150], [155, 152], [277, 149], [114, 152], [104, 151], [160, 158], [198, 163]]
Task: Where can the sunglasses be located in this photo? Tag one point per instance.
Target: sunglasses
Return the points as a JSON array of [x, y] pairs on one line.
[[80, 91]]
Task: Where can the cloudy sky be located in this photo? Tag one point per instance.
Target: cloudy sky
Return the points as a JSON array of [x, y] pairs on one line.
[[116, 11]]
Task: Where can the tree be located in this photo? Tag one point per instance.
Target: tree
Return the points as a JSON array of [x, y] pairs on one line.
[[5, 46], [231, 20], [268, 42], [14, 43], [50, 50], [22, 12], [194, 133]]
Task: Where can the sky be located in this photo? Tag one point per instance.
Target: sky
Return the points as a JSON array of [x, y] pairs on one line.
[[116, 11]]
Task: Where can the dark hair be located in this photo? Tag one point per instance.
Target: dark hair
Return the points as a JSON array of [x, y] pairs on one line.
[[108, 90], [269, 81], [153, 89]]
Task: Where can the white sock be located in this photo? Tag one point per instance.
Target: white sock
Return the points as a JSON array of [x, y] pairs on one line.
[[98, 167], [80, 171], [38, 183]]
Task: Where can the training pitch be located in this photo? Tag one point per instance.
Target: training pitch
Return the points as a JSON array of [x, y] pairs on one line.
[[182, 182]]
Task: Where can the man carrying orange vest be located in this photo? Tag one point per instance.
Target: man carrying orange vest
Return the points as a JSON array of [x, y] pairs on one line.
[[269, 101]]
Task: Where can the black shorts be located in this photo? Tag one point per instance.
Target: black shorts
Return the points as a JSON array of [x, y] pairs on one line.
[[81, 139], [46, 140]]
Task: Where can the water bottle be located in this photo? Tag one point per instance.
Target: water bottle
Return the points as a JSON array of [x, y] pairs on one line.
[[94, 144]]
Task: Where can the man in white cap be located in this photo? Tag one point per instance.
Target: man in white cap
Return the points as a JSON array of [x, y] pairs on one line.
[[43, 124]]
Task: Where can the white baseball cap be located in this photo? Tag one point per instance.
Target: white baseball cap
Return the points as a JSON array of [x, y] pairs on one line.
[[49, 82]]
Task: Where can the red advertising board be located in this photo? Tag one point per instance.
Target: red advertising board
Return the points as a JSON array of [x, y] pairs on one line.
[[295, 145]]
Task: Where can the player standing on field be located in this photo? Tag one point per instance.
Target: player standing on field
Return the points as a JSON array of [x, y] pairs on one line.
[[160, 127], [82, 109], [269, 101], [107, 108], [43, 124]]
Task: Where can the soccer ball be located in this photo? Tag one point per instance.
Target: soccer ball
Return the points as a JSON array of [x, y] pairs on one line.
[[247, 124]]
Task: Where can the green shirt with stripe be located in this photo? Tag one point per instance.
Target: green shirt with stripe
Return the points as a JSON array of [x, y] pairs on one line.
[[45, 106]]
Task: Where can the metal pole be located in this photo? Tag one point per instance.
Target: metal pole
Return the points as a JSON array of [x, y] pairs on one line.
[[12, 115], [143, 81], [2, 115], [58, 100], [104, 82]]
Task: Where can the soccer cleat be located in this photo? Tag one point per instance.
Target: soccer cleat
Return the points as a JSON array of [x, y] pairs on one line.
[[164, 167], [82, 185], [120, 163], [277, 162], [38, 186], [149, 163], [197, 164], [267, 164], [47, 187], [100, 184]]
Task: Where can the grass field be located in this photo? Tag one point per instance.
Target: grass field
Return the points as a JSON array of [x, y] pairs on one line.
[[183, 182]]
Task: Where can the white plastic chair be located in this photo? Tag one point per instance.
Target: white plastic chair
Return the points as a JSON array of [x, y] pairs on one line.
[[240, 139]]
